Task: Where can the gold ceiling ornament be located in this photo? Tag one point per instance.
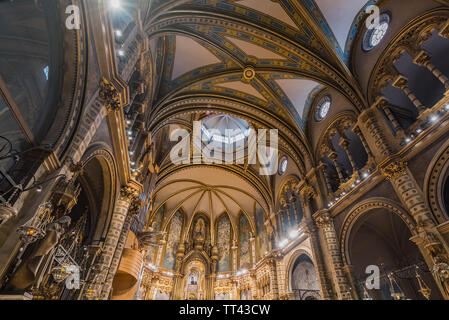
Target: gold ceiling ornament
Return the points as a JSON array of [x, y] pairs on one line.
[[323, 219], [394, 170], [249, 73], [128, 193], [110, 96]]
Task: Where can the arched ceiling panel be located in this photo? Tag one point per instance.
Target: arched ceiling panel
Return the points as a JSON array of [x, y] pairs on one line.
[[190, 55]]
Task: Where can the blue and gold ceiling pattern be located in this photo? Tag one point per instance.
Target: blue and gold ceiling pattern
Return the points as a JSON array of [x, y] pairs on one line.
[[307, 50]]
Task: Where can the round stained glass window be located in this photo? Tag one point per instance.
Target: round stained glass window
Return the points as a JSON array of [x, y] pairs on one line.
[[374, 36], [323, 108], [283, 165]]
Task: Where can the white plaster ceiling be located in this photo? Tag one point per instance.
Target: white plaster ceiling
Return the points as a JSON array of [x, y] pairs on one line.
[[254, 50], [243, 87], [297, 90], [270, 8], [340, 15], [191, 55]]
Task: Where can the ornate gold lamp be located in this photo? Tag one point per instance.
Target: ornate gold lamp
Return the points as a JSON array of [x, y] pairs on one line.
[[423, 287], [34, 229], [395, 289]]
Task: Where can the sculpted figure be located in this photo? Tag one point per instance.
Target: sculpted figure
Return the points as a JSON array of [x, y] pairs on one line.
[[28, 272]]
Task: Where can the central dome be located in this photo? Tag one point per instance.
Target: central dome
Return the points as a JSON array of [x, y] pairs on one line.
[[224, 129]]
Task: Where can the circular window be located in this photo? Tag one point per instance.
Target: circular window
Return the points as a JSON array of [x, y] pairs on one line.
[[375, 35], [283, 165], [323, 108]]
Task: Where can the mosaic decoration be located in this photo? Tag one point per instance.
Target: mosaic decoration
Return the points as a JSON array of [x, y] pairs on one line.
[[174, 236], [223, 244], [261, 238], [245, 257]]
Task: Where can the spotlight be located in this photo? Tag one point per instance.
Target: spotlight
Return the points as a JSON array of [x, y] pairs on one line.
[[118, 33], [293, 234], [407, 140], [115, 4], [365, 175], [434, 118], [446, 107], [419, 131], [121, 53], [39, 189]]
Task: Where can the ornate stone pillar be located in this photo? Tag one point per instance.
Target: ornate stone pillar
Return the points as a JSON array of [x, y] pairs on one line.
[[401, 83], [273, 279], [423, 59], [323, 168], [122, 204], [293, 200], [427, 239], [382, 103], [252, 244], [133, 211], [375, 133], [325, 222], [359, 133], [334, 156], [312, 231], [344, 143]]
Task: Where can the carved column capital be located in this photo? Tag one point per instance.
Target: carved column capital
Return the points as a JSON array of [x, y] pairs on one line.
[[400, 82], [394, 170], [128, 194], [422, 58], [324, 219], [110, 96]]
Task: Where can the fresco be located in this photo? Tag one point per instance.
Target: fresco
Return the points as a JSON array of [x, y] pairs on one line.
[[223, 244], [245, 258], [173, 241], [261, 238]]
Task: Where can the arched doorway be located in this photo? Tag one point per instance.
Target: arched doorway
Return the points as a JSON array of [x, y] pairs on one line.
[[304, 281], [380, 240], [194, 281]]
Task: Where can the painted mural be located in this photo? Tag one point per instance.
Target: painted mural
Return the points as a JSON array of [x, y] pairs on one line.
[[245, 258], [174, 236], [223, 244], [261, 238]]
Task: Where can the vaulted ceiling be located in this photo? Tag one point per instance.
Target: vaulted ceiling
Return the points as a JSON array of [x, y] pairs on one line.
[[296, 48]]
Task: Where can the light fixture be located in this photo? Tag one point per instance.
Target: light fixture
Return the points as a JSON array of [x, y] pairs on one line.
[[434, 118], [446, 107], [118, 33], [408, 139], [293, 234], [365, 175], [121, 53], [418, 131], [115, 4]]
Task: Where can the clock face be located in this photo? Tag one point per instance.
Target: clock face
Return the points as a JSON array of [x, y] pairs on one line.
[[323, 108]]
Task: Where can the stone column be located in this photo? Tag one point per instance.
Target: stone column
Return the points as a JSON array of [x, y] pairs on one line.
[[323, 168], [401, 83], [427, 238], [325, 222], [333, 156], [292, 200], [122, 204], [359, 133], [273, 279], [423, 59], [344, 143], [382, 103], [312, 231]]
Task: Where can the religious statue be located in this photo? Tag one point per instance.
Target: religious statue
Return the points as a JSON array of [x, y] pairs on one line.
[[28, 272], [199, 231]]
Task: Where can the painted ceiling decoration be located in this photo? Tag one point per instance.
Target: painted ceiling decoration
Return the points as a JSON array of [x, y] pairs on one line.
[[289, 46]]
